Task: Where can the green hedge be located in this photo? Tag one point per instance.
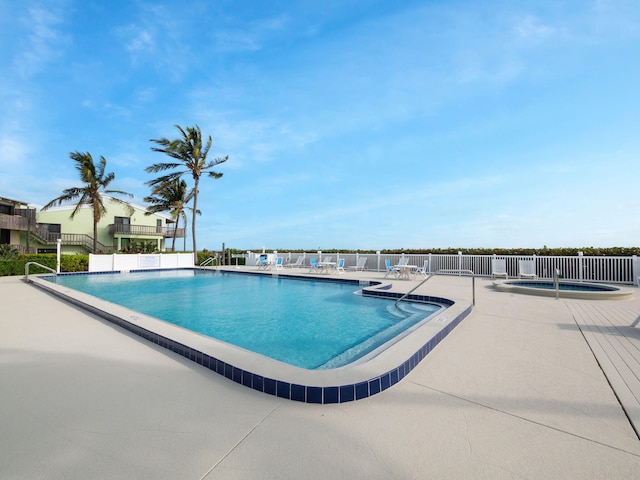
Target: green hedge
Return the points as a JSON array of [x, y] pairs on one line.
[[68, 263]]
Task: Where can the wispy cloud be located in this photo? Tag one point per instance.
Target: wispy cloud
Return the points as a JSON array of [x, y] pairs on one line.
[[14, 150], [238, 35], [159, 37], [531, 29], [45, 39], [141, 43]]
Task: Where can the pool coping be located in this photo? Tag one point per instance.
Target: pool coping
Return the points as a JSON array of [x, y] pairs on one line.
[[345, 384], [618, 293]]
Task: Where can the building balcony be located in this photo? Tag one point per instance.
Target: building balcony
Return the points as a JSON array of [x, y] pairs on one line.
[[145, 231], [14, 222]]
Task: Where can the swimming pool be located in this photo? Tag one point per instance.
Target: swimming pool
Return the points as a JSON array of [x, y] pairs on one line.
[[566, 289], [375, 372], [306, 323]]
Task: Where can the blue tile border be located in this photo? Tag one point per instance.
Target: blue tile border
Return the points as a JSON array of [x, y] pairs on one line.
[[279, 388]]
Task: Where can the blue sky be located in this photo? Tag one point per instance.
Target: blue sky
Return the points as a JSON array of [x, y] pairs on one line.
[[348, 124]]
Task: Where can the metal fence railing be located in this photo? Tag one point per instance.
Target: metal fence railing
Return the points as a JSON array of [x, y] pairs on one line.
[[623, 270]]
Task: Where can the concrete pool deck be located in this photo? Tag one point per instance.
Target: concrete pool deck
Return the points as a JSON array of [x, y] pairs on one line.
[[518, 389]]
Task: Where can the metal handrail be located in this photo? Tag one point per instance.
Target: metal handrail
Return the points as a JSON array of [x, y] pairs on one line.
[[473, 279], [411, 291], [26, 271], [208, 261], [444, 270]]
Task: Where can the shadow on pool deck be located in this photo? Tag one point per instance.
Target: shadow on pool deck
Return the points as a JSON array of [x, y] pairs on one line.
[[512, 391]]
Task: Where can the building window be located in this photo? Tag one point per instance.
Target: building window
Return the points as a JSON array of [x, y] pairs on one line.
[[6, 209], [122, 224], [52, 227]]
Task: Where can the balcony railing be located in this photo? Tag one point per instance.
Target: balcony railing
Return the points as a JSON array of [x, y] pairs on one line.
[[13, 222], [145, 230]]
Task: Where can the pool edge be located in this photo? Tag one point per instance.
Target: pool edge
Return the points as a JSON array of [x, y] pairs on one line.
[[341, 385]]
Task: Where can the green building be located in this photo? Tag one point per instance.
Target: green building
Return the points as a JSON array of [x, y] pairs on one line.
[[28, 230]]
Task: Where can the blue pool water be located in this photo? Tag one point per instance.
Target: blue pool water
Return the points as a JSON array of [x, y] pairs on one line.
[[310, 324]]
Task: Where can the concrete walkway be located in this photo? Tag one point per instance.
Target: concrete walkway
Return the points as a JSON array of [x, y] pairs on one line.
[[515, 391]]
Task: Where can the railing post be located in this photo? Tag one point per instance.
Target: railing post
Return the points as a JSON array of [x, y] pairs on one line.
[[378, 256], [580, 260], [58, 255], [459, 263], [429, 263]]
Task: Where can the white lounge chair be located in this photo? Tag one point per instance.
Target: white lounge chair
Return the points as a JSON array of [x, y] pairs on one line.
[[424, 270], [527, 269], [340, 266], [359, 265], [298, 263], [499, 268]]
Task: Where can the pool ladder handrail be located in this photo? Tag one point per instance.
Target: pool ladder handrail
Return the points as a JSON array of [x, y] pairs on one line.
[[207, 262], [26, 271], [411, 291], [444, 270]]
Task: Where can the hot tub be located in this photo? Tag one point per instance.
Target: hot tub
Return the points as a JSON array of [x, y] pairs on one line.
[[566, 289]]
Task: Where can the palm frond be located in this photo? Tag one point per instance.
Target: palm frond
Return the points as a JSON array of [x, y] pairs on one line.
[[160, 167], [67, 196], [127, 205]]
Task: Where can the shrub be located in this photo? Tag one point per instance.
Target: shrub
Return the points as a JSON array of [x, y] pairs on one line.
[[68, 263]]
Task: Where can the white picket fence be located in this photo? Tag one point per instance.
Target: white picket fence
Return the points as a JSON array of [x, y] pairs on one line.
[[624, 270]]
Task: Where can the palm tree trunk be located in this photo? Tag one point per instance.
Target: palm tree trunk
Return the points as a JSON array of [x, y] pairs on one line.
[[95, 230], [175, 234], [193, 220]]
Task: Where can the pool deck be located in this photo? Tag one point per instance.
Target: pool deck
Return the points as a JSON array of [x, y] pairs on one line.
[[525, 387]]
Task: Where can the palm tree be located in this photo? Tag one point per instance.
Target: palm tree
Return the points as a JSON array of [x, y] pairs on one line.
[[96, 182], [172, 197], [189, 154]]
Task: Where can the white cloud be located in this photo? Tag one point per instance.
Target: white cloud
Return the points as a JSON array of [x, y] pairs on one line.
[[44, 42], [141, 44], [531, 29], [238, 35], [14, 151]]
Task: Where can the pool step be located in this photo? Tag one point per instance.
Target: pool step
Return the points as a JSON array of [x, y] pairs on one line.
[[407, 309], [410, 315]]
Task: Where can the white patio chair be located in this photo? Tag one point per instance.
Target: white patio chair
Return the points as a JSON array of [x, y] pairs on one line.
[[499, 268], [298, 263], [527, 269], [340, 266], [424, 270], [279, 263], [359, 265]]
